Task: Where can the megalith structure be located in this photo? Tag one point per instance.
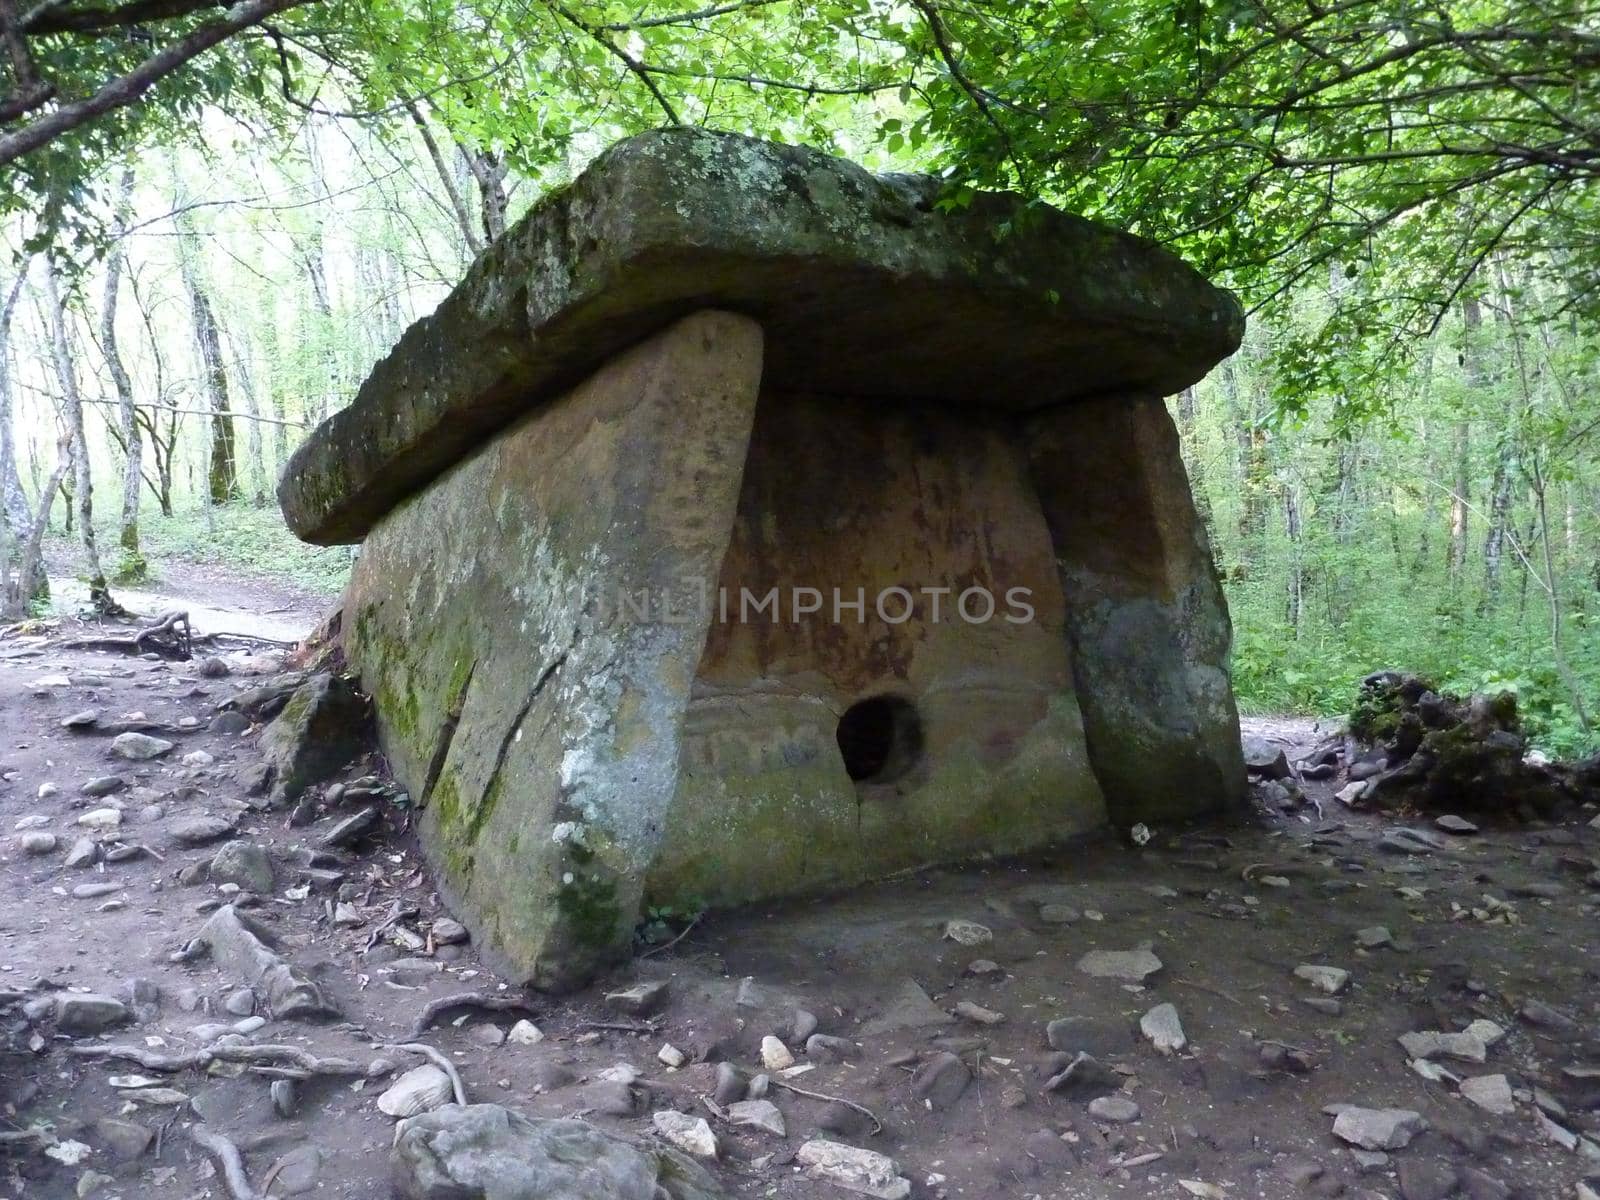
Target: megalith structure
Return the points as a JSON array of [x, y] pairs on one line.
[[748, 525]]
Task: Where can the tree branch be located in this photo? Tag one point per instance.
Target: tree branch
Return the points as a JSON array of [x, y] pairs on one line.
[[127, 89]]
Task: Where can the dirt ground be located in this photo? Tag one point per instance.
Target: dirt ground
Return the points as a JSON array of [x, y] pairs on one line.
[[1481, 926]]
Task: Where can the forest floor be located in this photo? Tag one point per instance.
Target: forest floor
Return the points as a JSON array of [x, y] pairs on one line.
[[1496, 925]]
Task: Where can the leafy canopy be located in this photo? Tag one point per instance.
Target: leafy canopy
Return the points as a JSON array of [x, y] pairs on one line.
[[1388, 144]]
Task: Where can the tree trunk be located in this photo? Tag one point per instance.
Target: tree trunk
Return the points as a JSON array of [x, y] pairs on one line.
[[252, 427], [100, 597], [1189, 440], [489, 170], [1461, 442], [1295, 597], [131, 568], [15, 519], [222, 479], [324, 307], [29, 583]]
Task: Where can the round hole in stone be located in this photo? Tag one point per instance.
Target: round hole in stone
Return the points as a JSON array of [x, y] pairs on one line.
[[880, 739]]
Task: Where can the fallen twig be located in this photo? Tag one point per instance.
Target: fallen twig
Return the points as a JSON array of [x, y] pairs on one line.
[[438, 1060], [877, 1125], [226, 1153], [619, 1026], [687, 930], [1206, 987]]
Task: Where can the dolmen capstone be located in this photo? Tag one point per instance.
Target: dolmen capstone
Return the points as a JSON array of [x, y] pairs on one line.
[[747, 525]]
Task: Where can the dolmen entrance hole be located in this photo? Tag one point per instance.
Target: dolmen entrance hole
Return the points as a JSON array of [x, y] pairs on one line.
[[746, 525], [880, 739]]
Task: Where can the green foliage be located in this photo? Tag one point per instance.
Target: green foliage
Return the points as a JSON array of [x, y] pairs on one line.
[[663, 922], [250, 540]]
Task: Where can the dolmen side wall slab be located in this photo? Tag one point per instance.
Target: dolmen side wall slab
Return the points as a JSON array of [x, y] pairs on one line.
[[714, 369]]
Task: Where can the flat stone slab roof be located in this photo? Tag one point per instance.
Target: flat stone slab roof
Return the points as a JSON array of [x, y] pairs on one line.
[[864, 285]]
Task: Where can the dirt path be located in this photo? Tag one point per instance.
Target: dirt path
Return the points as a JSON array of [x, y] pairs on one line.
[[217, 600], [1488, 926]]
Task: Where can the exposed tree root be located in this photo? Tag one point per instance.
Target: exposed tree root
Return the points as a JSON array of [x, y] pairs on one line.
[[481, 1001], [438, 1060]]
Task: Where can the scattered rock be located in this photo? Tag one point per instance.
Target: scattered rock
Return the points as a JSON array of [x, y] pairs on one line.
[[669, 1055], [1162, 1027], [197, 758], [1059, 914], [229, 722], [486, 1152], [103, 785], [285, 1101], [967, 933], [1265, 758], [1132, 966], [1373, 937], [775, 1055], [350, 829], [730, 1085], [81, 720], [525, 1033], [1540, 1014], [1410, 841], [447, 931], [139, 747], [690, 1134], [421, 1089], [1084, 1077], [1492, 1093], [758, 1114], [940, 1081], [486, 1033], [93, 891], [37, 843], [978, 1014], [1378, 1128], [640, 1000], [1467, 1047], [1451, 823], [1426, 1179], [201, 830], [244, 863], [126, 1140], [864, 1172], [101, 818], [1331, 980], [85, 1014], [241, 1002], [829, 1049], [910, 1008], [1114, 1110]]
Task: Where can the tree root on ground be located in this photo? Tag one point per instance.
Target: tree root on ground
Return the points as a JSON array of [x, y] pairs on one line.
[[438, 1060], [232, 1162], [240, 948], [266, 1059], [170, 636], [481, 1001]]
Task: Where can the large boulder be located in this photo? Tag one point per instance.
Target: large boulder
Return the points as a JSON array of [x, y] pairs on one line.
[[323, 726], [486, 1152]]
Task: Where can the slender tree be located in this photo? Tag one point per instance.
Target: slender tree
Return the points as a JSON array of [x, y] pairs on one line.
[[131, 567], [222, 481], [71, 399]]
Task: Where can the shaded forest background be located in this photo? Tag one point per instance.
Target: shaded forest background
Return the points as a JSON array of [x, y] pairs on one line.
[[1397, 469]]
